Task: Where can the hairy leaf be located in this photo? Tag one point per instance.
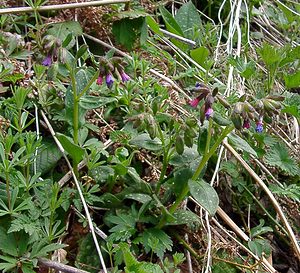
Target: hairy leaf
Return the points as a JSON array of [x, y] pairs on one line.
[[278, 156], [205, 195]]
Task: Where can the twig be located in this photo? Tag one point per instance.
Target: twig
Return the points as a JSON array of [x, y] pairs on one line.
[[177, 37], [264, 168], [68, 175], [270, 195], [91, 226], [59, 266], [62, 6]]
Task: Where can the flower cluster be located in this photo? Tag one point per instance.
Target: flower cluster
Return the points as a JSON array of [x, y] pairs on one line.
[[107, 68], [53, 48], [204, 93]]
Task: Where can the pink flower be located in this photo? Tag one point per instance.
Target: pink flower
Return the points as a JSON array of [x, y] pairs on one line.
[[99, 80], [246, 124], [194, 103]]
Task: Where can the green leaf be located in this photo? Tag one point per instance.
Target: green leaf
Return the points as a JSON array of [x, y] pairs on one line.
[[101, 174], [278, 156], [124, 226], [291, 191], [42, 252], [8, 243], [260, 229], [72, 149], [48, 155], [270, 54], [126, 31], [187, 18], [292, 80], [185, 217], [187, 157], [170, 22], [200, 55], [240, 144], [144, 141], [153, 25], [181, 178], [205, 195], [160, 246], [24, 222], [245, 69], [108, 200], [259, 246], [140, 197], [92, 102], [62, 30]]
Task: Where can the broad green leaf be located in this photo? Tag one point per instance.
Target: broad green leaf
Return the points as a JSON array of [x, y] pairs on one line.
[[189, 155], [259, 246], [48, 155], [44, 251], [62, 30], [240, 144], [131, 14], [170, 22], [153, 25], [8, 243], [205, 195], [278, 156], [220, 119], [101, 174], [140, 197], [200, 55], [187, 18], [72, 149], [144, 141], [181, 178], [126, 31], [108, 200], [185, 217], [92, 102]]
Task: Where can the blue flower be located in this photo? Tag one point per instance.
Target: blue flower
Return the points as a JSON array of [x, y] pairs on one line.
[[109, 80], [209, 112], [259, 126], [124, 77], [47, 61]]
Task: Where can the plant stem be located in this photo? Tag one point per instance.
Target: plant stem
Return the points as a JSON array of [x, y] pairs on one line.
[[187, 246], [7, 190], [200, 167]]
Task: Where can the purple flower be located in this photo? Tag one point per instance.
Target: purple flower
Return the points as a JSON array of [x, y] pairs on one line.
[[47, 61], [124, 77], [109, 80], [259, 126], [246, 124], [194, 103], [99, 80], [209, 112]]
